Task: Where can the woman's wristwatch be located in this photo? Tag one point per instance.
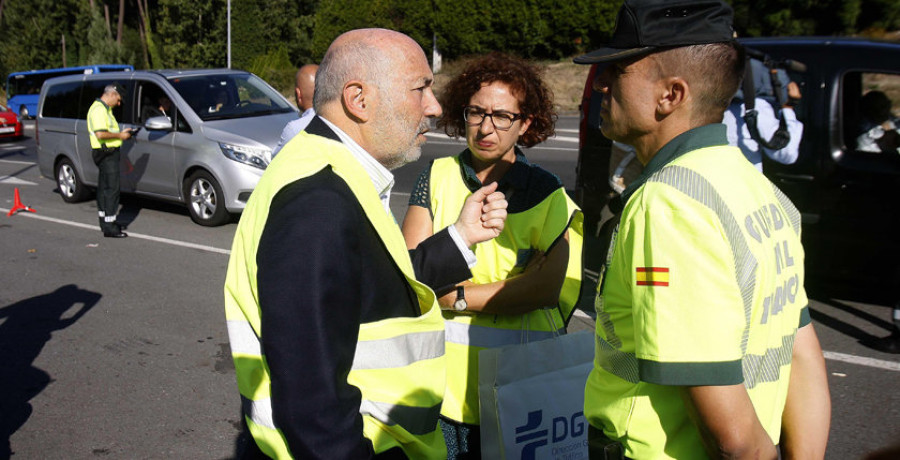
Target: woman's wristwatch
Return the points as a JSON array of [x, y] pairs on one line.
[[460, 304]]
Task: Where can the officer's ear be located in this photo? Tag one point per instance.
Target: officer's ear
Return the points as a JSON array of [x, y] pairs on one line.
[[354, 100], [674, 95]]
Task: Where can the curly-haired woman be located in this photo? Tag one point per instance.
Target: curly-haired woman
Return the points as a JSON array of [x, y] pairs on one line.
[[526, 281]]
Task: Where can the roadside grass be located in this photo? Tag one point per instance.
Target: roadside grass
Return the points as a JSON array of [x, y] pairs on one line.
[[564, 77]]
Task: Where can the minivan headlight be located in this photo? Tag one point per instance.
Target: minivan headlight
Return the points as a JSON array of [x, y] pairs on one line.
[[246, 155]]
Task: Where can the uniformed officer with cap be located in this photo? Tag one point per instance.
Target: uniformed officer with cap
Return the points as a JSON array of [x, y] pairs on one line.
[[106, 141], [704, 345]]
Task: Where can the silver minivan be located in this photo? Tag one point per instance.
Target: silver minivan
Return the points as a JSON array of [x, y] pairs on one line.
[[206, 136]]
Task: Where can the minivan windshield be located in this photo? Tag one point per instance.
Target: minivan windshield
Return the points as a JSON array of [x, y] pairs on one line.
[[228, 96]]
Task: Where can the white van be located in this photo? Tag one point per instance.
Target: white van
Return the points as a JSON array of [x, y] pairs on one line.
[[206, 138]]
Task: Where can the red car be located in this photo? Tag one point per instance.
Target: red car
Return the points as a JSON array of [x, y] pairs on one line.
[[10, 126]]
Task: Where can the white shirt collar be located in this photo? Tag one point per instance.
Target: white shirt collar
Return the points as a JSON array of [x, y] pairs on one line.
[[381, 177]]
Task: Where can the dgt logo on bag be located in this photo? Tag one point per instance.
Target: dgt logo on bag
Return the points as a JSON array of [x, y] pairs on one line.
[[534, 435], [532, 396]]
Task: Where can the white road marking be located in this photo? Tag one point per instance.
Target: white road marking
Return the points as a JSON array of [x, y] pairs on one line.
[[15, 181], [540, 147], [30, 163], [442, 136], [95, 228], [565, 139], [862, 360]]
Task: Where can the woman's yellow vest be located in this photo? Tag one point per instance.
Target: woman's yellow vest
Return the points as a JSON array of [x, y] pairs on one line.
[[536, 228], [399, 365]]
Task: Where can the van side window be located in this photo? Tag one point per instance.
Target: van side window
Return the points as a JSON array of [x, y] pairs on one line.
[[153, 101], [61, 100], [93, 89]]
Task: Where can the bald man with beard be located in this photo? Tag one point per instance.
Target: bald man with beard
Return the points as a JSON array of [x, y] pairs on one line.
[[335, 330]]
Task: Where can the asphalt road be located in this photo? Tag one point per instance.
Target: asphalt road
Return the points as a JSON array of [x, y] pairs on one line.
[[117, 348]]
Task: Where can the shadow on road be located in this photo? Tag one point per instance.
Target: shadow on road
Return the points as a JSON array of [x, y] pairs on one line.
[[25, 327], [844, 328]]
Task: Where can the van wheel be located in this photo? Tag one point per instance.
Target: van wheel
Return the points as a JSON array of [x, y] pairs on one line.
[[205, 200], [70, 186]]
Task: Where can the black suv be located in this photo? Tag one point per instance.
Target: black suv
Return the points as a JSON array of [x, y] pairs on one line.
[[849, 199]]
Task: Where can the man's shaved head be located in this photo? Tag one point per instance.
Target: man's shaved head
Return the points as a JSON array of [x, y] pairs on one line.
[[305, 86]]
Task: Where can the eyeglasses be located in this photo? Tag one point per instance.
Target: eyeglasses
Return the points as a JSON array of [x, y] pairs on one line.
[[501, 120]]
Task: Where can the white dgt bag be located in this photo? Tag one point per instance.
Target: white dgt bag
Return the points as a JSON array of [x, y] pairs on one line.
[[532, 398]]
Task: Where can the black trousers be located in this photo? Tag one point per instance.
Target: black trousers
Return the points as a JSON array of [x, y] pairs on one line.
[[108, 188]]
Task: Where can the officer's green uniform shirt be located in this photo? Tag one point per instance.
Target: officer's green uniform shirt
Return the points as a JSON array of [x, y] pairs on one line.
[[703, 286], [100, 118]]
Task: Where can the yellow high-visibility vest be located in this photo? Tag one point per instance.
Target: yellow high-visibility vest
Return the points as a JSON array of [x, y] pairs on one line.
[[99, 118], [536, 228], [399, 364]]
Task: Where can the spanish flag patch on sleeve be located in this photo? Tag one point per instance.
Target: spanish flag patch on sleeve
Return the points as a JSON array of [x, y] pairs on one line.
[[652, 276]]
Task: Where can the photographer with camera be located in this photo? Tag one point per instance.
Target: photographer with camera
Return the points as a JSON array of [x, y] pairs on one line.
[[761, 118]]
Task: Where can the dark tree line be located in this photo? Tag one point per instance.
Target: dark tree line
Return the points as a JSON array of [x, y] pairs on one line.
[[273, 37]]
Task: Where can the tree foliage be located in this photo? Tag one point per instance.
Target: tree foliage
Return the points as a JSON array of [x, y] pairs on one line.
[[102, 46], [275, 37], [263, 27], [757, 18], [192, 33], [33, 32], [530, 28]]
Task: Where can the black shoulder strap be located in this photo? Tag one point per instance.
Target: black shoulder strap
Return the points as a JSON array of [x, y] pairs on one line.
[[781, 137], [747, 87]]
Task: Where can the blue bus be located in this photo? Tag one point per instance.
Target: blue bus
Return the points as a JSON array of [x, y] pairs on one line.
[[24, 88]]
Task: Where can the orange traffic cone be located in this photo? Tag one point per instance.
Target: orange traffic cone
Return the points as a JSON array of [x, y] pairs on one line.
[[17, 205]]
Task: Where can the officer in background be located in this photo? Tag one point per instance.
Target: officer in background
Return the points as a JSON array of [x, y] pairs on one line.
[[106, 141], [704, 340], [304, 90]]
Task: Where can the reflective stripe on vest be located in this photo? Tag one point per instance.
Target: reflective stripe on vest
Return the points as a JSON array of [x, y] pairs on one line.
[[398, 351], [491, 337], [534, 229], [398, 365], [377, 354], [259, 412], [416, 420], [242, 338]]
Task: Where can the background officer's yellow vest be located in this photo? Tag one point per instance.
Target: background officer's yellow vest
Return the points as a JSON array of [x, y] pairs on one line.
[[100, 117], [536, 228], [400, 398]]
